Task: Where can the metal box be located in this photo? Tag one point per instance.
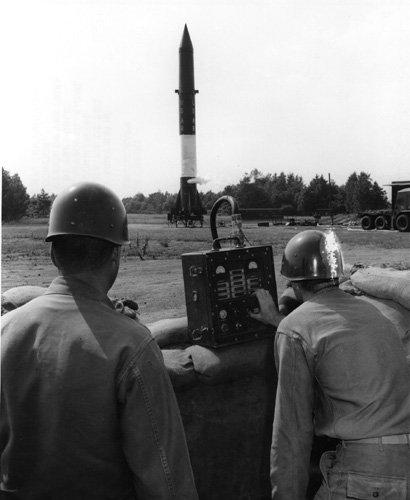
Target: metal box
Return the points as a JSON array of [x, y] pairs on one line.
[[219, 288]]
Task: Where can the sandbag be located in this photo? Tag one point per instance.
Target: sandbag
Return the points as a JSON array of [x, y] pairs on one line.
[[18, 296], [230, 363], [180, 368], [171, 331], [384, 283]]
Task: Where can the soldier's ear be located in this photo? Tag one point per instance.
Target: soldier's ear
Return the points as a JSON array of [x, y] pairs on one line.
[[116, 254], [53, 259]]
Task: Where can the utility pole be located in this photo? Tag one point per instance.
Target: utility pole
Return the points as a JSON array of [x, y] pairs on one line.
[[330, 200]]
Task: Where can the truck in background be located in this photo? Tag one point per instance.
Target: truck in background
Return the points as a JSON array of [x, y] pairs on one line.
[[398, 217]]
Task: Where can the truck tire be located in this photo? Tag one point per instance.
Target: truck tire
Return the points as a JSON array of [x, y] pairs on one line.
[[367, 223], [382, 222], [403, 223]]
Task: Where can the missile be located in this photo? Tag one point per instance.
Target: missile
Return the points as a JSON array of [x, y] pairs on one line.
[[188, 201]]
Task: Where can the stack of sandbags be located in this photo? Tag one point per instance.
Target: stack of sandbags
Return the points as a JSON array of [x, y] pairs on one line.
[[226, 397], [384, 283], [188, 363]]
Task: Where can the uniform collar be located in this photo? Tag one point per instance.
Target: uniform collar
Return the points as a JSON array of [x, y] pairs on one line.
[[68, 285]]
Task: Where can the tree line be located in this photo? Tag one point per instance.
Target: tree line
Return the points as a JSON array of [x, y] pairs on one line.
[[285, 193], [16, 203]]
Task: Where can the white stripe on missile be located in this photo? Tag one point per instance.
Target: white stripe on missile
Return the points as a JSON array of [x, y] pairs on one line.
[[188, 156]]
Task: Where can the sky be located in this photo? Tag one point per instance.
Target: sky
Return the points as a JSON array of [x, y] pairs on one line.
[[309, 87]]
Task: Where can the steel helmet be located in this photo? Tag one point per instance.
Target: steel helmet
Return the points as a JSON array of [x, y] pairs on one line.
[[89, 209], [312, 255]]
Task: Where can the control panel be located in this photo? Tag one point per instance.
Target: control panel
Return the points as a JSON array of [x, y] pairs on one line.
[[219, 292]]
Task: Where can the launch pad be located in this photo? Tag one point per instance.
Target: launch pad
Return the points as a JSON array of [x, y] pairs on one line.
[[185, 220]]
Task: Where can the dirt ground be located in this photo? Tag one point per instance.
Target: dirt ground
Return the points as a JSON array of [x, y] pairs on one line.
[[157, 285]]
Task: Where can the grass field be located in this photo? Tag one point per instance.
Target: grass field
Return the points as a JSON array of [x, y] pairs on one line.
[[26, 239]]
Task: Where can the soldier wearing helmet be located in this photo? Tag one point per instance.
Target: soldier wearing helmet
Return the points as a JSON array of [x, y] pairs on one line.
[[343, 374], [88, 409]]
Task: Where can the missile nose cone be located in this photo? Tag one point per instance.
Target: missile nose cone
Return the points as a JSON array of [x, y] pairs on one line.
[[186, 44]]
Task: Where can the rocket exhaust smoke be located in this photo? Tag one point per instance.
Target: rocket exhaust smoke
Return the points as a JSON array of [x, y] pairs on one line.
[[198, 180]]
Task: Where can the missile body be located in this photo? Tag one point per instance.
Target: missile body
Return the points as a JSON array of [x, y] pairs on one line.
[[188, 201]]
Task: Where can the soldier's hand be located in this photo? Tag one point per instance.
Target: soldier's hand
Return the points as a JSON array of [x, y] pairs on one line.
[[268, 313], [127, 307]]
